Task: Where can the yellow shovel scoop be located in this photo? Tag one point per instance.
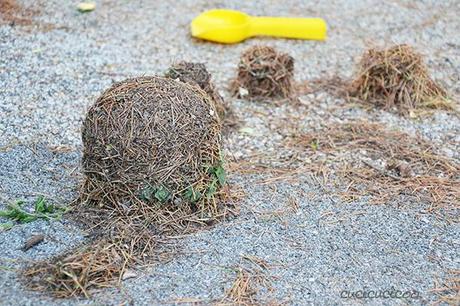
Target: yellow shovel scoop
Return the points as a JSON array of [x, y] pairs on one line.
[[229, 26]]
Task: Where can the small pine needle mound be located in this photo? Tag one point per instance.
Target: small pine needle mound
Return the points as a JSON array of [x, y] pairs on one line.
[[264, 73], [196, 74], [397, 77]]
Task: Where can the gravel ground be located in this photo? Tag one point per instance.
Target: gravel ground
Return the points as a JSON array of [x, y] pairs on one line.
[[51, 71]]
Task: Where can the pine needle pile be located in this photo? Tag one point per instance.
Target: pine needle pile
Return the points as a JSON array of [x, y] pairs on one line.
[[397, 78], [264, 73], [448, 290], [251, 286], [151, 140], [384, 164], [93, 267], [244, 289], [196, 74], [153, 169]]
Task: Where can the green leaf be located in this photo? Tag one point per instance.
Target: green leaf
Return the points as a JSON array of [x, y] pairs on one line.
[[5, 268], [40, 205], [147, 193], [16, 213], [42, 210], [171, 73], [220, 174], [314, 144], [212, 189], [5, 213], [162, 194], [6, 226], [26, 218], [192, 195]]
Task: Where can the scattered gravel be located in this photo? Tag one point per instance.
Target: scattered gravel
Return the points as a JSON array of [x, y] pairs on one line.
[[50, 75]]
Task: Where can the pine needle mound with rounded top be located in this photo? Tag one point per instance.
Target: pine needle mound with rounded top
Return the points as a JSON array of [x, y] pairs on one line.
[[151, 140], [196, 74], [153, 169], [263, 72], [397, 77]]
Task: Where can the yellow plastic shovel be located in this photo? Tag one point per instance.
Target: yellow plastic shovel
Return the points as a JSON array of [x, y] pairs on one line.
[[229, 26]]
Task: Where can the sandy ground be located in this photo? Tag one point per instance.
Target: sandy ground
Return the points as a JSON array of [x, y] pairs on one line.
[[54, 68]]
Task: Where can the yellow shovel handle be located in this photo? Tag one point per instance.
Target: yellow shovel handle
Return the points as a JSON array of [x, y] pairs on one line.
[[300, 28]]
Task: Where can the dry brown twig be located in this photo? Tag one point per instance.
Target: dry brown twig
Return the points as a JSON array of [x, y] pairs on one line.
[[243, 289]]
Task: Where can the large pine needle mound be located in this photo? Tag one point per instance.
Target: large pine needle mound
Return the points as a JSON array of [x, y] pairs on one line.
[[263, 72], [153, 168], [397, 77], [152, 140]]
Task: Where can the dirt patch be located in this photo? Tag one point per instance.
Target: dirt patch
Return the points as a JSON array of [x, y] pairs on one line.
[[264, 73]]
